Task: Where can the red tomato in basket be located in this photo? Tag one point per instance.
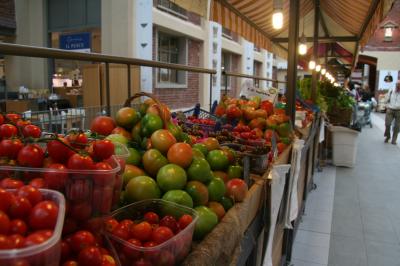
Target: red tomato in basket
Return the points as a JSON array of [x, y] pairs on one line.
[[37, 237], [103, 179], [151, 254], [126, 224], [110, 224], [89, 256], [1, 119], [10, 148], [141, 231], [13, 117], [18, 226], [81, 211], [31, 155], [65, 250], [166, 258], [142, 262], [70, 263], [169, 222], [31, 193], [161, 234], [17, 240], [5, 199], [151, 217], [80, 162], [59, 152], [20, 207], [56, 176], [81, 240], [77, 140], [121, 232], [103, 149], [107, 260], [102, 125], [31, 131], [78, 190], [11, 183], [184, 221], [70, 226], [38, 183], [44, 215], [4, 223], [5, 242], [102, 199], [8, 131], [130, 252]]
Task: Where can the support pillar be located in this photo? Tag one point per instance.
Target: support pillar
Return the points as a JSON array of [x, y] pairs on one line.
[[315, 50]]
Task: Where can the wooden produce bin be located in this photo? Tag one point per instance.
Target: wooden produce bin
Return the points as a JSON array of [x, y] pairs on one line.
[[94, 78]]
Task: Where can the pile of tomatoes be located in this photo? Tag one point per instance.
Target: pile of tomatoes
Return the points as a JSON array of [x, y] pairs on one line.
[[201, 121], [138, 239], [26, 218]]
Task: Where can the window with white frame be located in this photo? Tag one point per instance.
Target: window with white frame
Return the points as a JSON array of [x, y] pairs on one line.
[[171, 49], [226, 63]]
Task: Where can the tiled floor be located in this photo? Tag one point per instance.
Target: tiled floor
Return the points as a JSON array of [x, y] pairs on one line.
[[353, 216]]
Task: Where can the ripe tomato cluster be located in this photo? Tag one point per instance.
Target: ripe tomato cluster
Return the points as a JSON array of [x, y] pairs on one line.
[[26, 218], [85, 249], [202, 121], [139, 237]]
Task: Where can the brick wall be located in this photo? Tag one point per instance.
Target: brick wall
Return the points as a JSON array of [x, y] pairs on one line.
[[377, 43], [7, 14], [180, 97]]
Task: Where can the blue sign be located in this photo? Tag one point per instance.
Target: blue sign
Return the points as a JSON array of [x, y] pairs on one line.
[[78, 41]]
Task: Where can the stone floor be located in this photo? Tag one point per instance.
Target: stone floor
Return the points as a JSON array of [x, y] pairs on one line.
[[353, 218]]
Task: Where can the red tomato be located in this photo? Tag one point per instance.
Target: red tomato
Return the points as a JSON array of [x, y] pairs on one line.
[[44, 215], [131, 252], [81, 211], [184, 221], [110, 224], [82, 239], [77, 140], [70, 263], [31, 155], [166, 258], [105, 178], [107, 260], [89, 256], [59, 152], [127, 224], [102, 199], [151, 217], [10, 148], [4, 223], [32, 131], [141, 231], [13, 117], [38, 183], [17, 240], [20, 207], [103, 149], [31, 193], [102, 125], [5, 199], [121, 232], [5, 242], [78, 190], [70, 226], [8, 131], [161, 234], [142, 262], [37, 237], [1, 119], [56, 176], [10, 183], [80, 162], [18, 226], [65, 250], [151, 254], [170, 222]]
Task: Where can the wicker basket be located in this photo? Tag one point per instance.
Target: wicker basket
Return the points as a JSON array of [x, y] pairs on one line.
[[340, 116]]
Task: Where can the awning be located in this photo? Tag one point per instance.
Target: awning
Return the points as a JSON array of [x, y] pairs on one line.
[[345, 18]]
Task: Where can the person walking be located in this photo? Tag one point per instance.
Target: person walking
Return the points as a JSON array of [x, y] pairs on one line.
[[393, 114]]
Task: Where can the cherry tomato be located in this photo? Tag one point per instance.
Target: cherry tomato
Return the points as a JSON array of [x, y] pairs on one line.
[[11, 183], [131, 252], [20, 207], [170, 222], [17, 240], [31, 193], [70, 263], [102, 199], [78, 189], [81, 211], [1, 119], [184, 221], [127, 224], [5, 242], [94, 224], [18, 226], [151, 217], [151, 254], [5, 199], [77, 140], [44, 215], [4, 223], [107, 260], [59, 152], [89, 256], [8, 131], [141, 231], [10, 148], [121, 232], [103, 149], [161, 234], [105, 178], [80, 162], [38, 183], [37, 237], [31, 155], [13, 117], [110, 224], [32, 131], [56, 176], [70, 226], [82, 239], [65, 250], [142, 262]]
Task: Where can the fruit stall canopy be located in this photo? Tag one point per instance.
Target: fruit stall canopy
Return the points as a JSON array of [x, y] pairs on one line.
[[351, 21]]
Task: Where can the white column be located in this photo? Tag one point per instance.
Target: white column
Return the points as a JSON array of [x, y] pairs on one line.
[[31, 17], [211, 58], [247, 60], [126, 30], [267, 66]]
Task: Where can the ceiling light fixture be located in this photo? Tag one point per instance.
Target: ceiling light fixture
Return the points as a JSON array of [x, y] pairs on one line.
[[303, 42], [318, 68], [311, 64], [323, 71], [277, 16]]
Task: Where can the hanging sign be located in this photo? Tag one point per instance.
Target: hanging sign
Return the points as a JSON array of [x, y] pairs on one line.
[[77, 42]]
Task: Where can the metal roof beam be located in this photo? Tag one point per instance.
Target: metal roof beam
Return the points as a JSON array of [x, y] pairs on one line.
[[321, 39]]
